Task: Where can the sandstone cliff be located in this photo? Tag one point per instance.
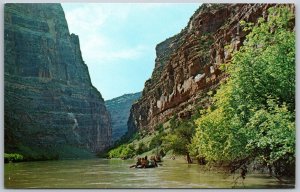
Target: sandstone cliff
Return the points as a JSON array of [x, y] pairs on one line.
[[187, 64], [50, 104], [119, 109]]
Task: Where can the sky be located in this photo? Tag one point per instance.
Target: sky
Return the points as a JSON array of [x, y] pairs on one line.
[[118, 40]]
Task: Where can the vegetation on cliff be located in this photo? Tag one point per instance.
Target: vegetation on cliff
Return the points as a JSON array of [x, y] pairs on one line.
[[172, 138], [138, 144], [252, 115], [253, 112]]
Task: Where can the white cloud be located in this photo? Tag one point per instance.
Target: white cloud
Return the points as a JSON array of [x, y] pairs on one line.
[[118, 40], [89, 22], [96, 52]]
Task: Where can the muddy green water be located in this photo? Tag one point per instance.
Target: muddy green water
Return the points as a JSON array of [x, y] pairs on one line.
[[103, 173]]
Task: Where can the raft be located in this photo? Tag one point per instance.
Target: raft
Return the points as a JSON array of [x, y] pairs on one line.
[[148, 166]]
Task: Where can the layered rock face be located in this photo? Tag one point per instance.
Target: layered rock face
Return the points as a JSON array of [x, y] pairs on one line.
[[50, 102], [119, 109], [187, 65]]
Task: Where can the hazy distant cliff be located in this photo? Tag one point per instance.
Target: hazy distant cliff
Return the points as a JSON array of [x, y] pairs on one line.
[[119, 109], [50, 104], [187, 64]]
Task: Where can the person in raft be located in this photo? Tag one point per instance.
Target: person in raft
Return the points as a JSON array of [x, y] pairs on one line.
[[152, 162], [149, 164], [138, 163], [145, 163]]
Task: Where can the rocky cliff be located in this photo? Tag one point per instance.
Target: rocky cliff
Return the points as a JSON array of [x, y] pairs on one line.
[[119, 109], [187, 64], [51, 107]]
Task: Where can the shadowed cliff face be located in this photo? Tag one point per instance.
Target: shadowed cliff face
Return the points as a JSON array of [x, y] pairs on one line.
[[119, 109], [187, 64], [50, 102]]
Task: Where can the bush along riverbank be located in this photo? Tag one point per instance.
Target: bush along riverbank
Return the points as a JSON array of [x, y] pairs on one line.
[[250, 124], [252, 117], [12, 157], [169, 139], [56, 153]]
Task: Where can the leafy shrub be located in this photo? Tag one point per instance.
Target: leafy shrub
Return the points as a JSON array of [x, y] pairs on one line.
[[141, 148], [12, 157], [156, 141], [254, 110], [123, 151], [159, 128]]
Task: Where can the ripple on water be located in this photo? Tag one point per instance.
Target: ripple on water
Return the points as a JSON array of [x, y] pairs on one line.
[[117, 174], [113, 172]]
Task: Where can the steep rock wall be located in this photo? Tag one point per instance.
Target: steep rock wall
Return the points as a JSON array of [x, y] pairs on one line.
[[50, 102], [119, 109], [187, 64]]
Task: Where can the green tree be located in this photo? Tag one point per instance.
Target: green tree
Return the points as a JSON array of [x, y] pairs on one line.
[[156, 141], [271, 133], [253, 112], [180, 138]]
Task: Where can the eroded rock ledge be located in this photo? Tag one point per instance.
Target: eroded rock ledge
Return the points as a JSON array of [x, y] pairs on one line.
[[187, 64]]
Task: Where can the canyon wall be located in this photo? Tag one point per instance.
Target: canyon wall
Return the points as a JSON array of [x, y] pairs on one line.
[[119, 109], [50, 104], [187, 65]]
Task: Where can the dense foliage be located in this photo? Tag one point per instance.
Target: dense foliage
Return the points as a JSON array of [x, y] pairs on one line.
[[253, 112], [252, 116], [123, 151], [180, 138], [176, 138], [12, 157]]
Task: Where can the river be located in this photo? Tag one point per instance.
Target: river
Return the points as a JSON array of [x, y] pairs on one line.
[[114, 173]]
